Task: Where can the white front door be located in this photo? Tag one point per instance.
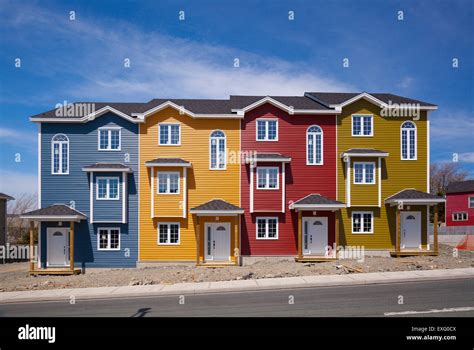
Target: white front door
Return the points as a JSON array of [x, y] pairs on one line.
[[315, 235], [57, 243], [410, 229], [217, 245]]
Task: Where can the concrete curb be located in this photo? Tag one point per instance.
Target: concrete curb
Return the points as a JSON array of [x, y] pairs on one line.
[[234, 286]]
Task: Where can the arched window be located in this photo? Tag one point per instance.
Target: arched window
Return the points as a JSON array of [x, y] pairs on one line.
[[314, 145], [60, 154], [217, 150], [408, 141]]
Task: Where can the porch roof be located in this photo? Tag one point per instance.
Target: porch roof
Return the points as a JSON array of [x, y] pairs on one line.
[[412, 196], [107, 167], [55, 212], [315, 201], [217, 207], [168, 162], [269, 157]]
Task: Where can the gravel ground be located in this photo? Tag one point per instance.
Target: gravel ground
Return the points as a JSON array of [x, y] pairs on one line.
[[13, 277]]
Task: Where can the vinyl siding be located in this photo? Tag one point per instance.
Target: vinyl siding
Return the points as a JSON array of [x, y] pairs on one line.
[[74, 188], [458, 203], [301, 179], [397, 174], [203, 184], [107, 210], [169, 205]]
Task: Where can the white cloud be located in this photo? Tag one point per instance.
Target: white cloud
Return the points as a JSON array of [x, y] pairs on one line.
[[16, 183], [405, 83], [25, 140], [161, 65], [467, 157]]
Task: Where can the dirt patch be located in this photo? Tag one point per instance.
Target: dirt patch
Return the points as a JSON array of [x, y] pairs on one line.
[[14, 277]]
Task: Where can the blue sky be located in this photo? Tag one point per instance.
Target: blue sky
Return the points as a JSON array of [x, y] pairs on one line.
[[82, 60]]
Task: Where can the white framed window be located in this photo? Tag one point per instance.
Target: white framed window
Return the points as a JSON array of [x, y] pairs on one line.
[[364, 173], [362, 125], [107, 188], [471, 202], [267, 178], [217, 150], [267, 228], [168, 233], [408, 140], [362, 222], [110, 139], [108, 238], [461, 216], [169, 134], [60, 155], [168, 182], [314, 145], [267, 129]]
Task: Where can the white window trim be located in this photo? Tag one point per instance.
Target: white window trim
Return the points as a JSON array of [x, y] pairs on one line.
[[362, 124], [108, 178], [363, 173], [169, 134], [168, 182], [408, 138], [60, 155], [217, 151], [362, 224], [266, 218], [168, 233], [314, 146], [108, 229], [265, 139], [109, 138], [267, 178], [469, 202], [460, 213]]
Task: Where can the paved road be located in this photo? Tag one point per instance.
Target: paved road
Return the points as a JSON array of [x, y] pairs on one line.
[[447, 298]]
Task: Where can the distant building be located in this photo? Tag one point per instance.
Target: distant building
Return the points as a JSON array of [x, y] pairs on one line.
[[4, 198], [460, 203]]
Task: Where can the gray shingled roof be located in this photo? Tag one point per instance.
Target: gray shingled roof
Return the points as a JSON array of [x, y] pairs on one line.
[[217, 205], [317, 199], [115, 166], [6, 196], [55, 210], [298, 102], [334, 98], [168, 161], [367, 151], [125, 107], [461, 186], [411, 193]]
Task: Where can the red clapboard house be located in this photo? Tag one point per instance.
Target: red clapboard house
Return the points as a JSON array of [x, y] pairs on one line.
[[460, 203], [288, 181]]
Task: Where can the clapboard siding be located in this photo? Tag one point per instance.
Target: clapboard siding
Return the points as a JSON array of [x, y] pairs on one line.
[[203, 184], [397, 174], [73, 189], [300, 179], [266, 199]]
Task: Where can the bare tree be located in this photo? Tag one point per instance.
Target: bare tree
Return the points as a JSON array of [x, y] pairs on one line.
[[17, 227], [441, 174]]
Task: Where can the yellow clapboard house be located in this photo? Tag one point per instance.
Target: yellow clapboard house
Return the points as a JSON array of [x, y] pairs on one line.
[[189, 190]]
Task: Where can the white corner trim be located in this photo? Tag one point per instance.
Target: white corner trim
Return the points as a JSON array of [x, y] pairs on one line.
[[283, 187], [152, 194], [379, 165], [185, 192], [124, 197], [91, 196]]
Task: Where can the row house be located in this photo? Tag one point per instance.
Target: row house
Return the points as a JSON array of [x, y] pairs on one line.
[[221, 182]]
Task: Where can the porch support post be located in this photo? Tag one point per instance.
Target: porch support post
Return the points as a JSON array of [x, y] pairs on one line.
[[71, 245], [435, 229], [300, 238], [236, 239], [398, 233], [336, 231], [198, 241], [32, 245]]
